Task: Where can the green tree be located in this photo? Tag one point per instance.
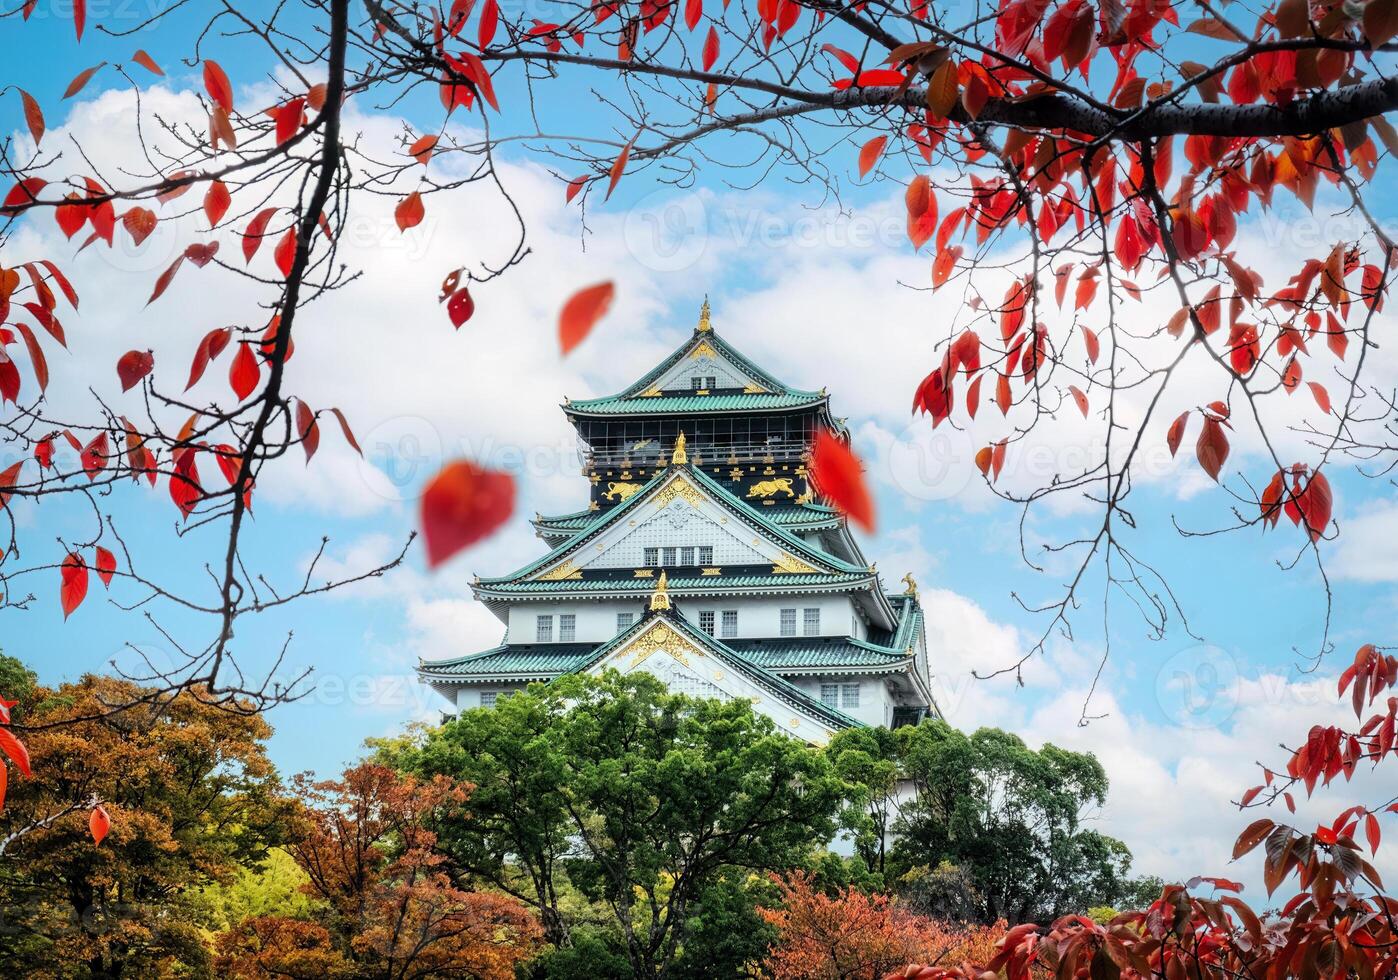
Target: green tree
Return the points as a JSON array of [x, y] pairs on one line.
[[647, 801], [986, 810]]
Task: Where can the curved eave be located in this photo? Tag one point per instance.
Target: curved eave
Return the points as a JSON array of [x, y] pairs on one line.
[[639, 588], [689, 405]]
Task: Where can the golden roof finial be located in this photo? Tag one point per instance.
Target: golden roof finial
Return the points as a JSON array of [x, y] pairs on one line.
[[660, 598], [911, 583], [704, 325], [679, 456]]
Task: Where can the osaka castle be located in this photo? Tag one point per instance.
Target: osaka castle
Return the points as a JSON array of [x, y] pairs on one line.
[[705, 557]]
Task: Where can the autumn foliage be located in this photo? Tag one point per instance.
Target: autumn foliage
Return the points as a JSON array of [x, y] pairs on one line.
[[856, 934]]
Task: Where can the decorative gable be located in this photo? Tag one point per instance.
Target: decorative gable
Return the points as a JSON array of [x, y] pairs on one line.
[[679, 515], [687, 667], [706, 368]]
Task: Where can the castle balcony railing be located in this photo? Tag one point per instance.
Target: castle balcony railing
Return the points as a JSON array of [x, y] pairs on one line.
[[647, 453]]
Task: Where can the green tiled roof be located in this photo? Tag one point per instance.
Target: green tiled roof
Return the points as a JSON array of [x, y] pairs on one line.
[[785, 653], [799, 517], [754, 515], [677, 585], [528, 659], [686, 404]]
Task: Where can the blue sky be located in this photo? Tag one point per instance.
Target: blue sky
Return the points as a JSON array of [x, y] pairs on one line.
[[814, 294]]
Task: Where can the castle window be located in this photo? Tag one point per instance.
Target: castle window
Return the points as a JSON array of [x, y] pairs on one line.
[[543, 629], [488, 698], [706, 554], [788, 622], [730, 623], [696, 382], [849, 695], [810, 624], [687, 556], [706, 621], [668, 556], [652, 556], [830, 695], [624, 621], [567, 627]]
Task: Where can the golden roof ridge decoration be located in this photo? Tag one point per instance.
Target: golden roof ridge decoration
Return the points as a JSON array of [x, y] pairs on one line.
[[560, 572], [788, 564], [704, 325], [680, 455], [660, 598], [681, 487]]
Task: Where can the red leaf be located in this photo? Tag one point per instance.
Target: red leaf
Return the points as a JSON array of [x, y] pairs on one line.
[[15, 749], [838, 475], [106, 566], [1176, 433], [574, 185], [256, 231], [166, 277], [216, 202], [461, 505], [24, 192], [581, 313], [1080, 398], [36, 355], [490, 17], [244, 372], [184, 482], [216, 84], [1316, 503], [79, 18], [139, 223], [72, 585], [1094, 347], [460, 307], [209, 348], [1322, 397], [618, 165], [289, 119], [710, 49], [33, 115], [421, 150], [409, 212], [869, 154], [1212, 447], [307, 428], [98, 824], [285, 253], [81, 79], [147, 62], [345, 428], [133, 366]]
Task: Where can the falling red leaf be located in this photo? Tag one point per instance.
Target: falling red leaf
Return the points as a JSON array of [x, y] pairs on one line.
[[15, 749], [839, 476], [461, 505], [33, 116], [79, 18], [72, 584], [133, 366], [409, 212], [244, 372], [581, 313], [147, 62], [98, 824], [217, 85], [106, 565], [81, 79]]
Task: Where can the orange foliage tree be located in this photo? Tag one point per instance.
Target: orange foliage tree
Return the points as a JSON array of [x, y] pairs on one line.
[[365, 846], [853, 935]]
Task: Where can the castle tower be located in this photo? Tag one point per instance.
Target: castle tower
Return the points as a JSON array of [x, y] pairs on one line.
[[704, 558]]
